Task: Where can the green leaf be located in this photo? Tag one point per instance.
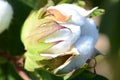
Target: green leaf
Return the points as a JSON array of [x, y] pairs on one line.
[[48, 76], [78, 72], [2, 60], [97, 12], [7, 72], [87, 75], [99, 77]]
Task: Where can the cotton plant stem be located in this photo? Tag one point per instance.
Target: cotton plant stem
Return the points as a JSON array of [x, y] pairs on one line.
[[16, 63], [21, 72]]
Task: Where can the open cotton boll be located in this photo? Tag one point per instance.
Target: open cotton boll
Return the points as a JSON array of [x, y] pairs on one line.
[[6, 13], [79, 9], [84, 36], [69, 10], [69, 37], [85, 43], [65, 38]]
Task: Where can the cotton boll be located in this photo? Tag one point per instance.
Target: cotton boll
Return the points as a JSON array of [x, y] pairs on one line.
[[85, 45], [77, 38], [83, 40], [79, 9], [69, 10], [85, 48], [87, 40], [69, 37], [74, 63], [75, 30], [6, 13], [90, 29]]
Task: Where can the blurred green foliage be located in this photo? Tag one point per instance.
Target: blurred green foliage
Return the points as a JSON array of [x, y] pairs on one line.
[[7, 72], [110, 25], [10, 39]]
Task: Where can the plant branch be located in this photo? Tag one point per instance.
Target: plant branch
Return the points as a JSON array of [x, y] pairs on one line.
[[16, 61]]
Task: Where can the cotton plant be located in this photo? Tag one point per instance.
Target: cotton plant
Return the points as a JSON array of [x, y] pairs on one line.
[[59, 38], [6, 14]]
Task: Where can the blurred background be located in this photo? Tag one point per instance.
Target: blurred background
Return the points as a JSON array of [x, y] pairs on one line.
[[109, 39]]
